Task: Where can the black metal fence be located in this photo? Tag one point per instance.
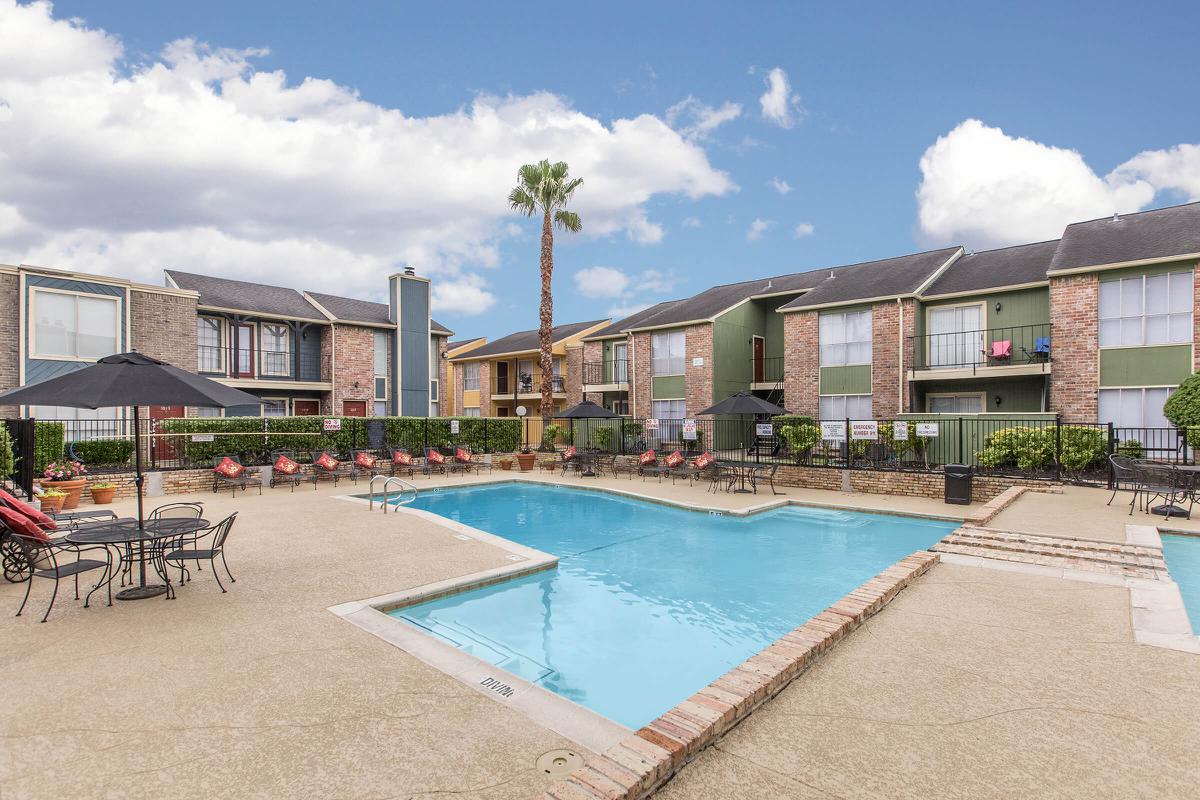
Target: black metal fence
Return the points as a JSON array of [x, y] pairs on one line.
[[991, 347]]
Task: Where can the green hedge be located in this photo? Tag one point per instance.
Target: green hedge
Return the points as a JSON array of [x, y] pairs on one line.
[[8, 463], [104, 452], [50, 439], [1081, 446]]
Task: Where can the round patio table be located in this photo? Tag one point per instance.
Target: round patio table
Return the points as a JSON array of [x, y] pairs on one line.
[[148, 540], [743, 470]]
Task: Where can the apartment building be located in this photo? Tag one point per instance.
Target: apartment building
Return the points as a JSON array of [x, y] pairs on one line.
[[454, 384], [53, 322], [314, 353]]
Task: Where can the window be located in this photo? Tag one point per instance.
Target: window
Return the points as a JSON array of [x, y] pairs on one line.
[[276, 347], [668, 409], [471, 412], [75, 325], [380, 409], [1146, 309], [433, 391], [434, 410], [667, 353], [1134, 408], [471, 377], [845, 406], [208, 345], [845, 338], [210, 412], [525, 375], [274, 407], [956, 336], [82, 424], [954, 403], [381, 359]]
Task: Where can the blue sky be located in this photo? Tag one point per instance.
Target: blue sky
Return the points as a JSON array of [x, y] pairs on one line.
[[1082, 109]]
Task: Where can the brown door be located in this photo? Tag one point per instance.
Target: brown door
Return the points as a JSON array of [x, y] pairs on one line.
[[354, 408], [759, 352], [164, 448], [501, 412], [501, 377], [306, 408]]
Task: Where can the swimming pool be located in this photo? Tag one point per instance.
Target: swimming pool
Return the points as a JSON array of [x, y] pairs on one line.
[[650, 603], [1182, 554]]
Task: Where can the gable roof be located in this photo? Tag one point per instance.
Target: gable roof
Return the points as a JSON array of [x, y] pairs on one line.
[[990, 269], [348, 309], [887, 277], [619, 327], [718, 299], [1159, 234], [524, 341], [245, 296]]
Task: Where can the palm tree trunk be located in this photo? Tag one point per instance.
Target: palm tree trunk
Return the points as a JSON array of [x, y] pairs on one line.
[[546, 320]]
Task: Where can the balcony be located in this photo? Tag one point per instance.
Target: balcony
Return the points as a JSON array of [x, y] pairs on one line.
[[612, 375], [252, 365], [526, 386], [1014, 350], [766, 373]]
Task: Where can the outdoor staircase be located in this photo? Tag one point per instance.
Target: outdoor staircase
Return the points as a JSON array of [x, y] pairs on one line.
[[1087, 555]]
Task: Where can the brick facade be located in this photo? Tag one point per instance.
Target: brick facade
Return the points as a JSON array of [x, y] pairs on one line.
[[1075, 315], [639, 375], [698, 379], [443, 375], [485, 388], [801, 363], [593, 353], [353, 349], [573, 377], [908, 308], [885, 359], [163, 326], [10, 343]]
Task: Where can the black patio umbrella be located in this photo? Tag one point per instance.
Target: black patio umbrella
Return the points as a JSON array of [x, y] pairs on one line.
[[743, 404], [585, 410], [129, 379]]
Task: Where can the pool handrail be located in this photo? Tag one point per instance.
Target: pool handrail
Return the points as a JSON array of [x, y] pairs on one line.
[[387, 480]]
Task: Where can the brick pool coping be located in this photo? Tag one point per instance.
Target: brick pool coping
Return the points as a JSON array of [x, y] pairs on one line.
[[642, 762]]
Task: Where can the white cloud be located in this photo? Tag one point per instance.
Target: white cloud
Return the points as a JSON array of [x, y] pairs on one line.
[[690, 222], [696, 120], [779, 104], [601, 282], [620, 312], [780, 185], [757, 228], [983, 187], [804, 229], [464, 296], [195, 160]]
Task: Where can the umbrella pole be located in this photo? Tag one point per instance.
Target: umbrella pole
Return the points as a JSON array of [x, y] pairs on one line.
[[138, 480]]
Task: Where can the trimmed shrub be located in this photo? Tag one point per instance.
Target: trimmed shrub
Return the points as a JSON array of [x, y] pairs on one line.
[[1081, 446], [801, 436], [1030, 448], [1182, 408], [104, 452], [49, 442], [8, 463], [1130, 448]]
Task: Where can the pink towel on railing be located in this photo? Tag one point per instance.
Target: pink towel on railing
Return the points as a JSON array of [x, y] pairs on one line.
[[1002, 349]]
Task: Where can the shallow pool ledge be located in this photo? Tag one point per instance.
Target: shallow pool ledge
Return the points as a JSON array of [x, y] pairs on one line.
[[638, 764]]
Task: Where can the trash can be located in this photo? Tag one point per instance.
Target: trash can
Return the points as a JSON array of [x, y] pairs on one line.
[[958, 484]]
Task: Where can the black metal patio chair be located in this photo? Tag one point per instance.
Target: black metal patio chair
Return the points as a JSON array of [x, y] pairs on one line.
[[42, 556], [1165, 482], [1124, 476], [723, 477], [206, 545], [241, 481], [764, 474]]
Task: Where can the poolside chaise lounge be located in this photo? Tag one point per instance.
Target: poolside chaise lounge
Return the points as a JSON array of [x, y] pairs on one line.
[[285, 469], [325, 465], [364, 462], [229, 471], [402, 462], [700, 466]]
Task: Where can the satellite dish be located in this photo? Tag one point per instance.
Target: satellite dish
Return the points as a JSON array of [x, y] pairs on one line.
[[521, 411]]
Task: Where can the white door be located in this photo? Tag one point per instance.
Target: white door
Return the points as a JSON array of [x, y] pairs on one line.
[[955, 336]]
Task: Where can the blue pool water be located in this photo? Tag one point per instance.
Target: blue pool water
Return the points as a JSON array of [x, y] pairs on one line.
[[1182, 554], [651, 603]]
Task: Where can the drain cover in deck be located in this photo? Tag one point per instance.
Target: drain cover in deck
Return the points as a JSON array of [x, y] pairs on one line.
[[559, 763]]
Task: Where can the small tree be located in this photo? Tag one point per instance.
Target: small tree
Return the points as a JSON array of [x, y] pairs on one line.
[[1182, 408], [8, 464]]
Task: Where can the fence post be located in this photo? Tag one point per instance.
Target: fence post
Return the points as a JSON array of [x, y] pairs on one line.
[[960, 440], [848, 454], [425, 435], [485, 436], [1112, 449], [1058, 447]]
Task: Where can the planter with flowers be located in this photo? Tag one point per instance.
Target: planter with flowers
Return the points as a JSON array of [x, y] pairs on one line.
[[51, 500], [525, 459], [67, 477], [102, 492]]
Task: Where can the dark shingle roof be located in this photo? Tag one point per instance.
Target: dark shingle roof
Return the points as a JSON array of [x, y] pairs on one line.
[[528, 340], [351, 310], [991, 269], [246, 296], [887, 277], [461, 342], [1161, 233], [632, 321], [713, 301]]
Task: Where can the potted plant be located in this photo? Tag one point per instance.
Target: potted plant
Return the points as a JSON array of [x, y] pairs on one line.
[[525, 459], [67, 477], [51, 500], [102, 492], [506, 464]]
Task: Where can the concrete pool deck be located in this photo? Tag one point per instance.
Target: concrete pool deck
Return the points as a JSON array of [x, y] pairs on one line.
[[262, 692]]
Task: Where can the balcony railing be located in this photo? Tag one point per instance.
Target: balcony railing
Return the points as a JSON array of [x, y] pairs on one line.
[[265, 365], [596, 373], [525, 384], [766, 370], [1018, 345]]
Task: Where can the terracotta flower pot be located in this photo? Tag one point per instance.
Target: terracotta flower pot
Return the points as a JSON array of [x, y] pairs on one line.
[[52, 504], [102, 497], [506, 465], [526, 460], [73, 489]]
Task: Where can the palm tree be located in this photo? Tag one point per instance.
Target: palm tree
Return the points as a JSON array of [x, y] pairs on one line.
[[546, 188]]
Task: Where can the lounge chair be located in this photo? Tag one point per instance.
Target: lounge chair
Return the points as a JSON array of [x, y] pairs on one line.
[[435, 461], [325, 465], [698, 467], [287, 470], [364, 462], [402, 462], [648, 465], [624, 466], [465, 459], [188, 548], [228, 471], [26, 542]]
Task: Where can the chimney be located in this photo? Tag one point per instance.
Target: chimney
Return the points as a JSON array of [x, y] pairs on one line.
[[410, 271]]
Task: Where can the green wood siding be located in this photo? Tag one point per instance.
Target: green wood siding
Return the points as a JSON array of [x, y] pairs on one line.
[[1018, 395], [667, 387], [1164, 365], [1017, 308], [854, 379], [732, 346]]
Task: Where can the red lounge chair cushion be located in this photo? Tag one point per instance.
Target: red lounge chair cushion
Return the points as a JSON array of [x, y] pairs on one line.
[[675, 459], [20, 506], [285, 466], [647, 457], [327, 462], [365, 460], [462, 456], [435, 457], [703, 460], [229, 468], [569, 453], [19, 523], [402, 458]]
